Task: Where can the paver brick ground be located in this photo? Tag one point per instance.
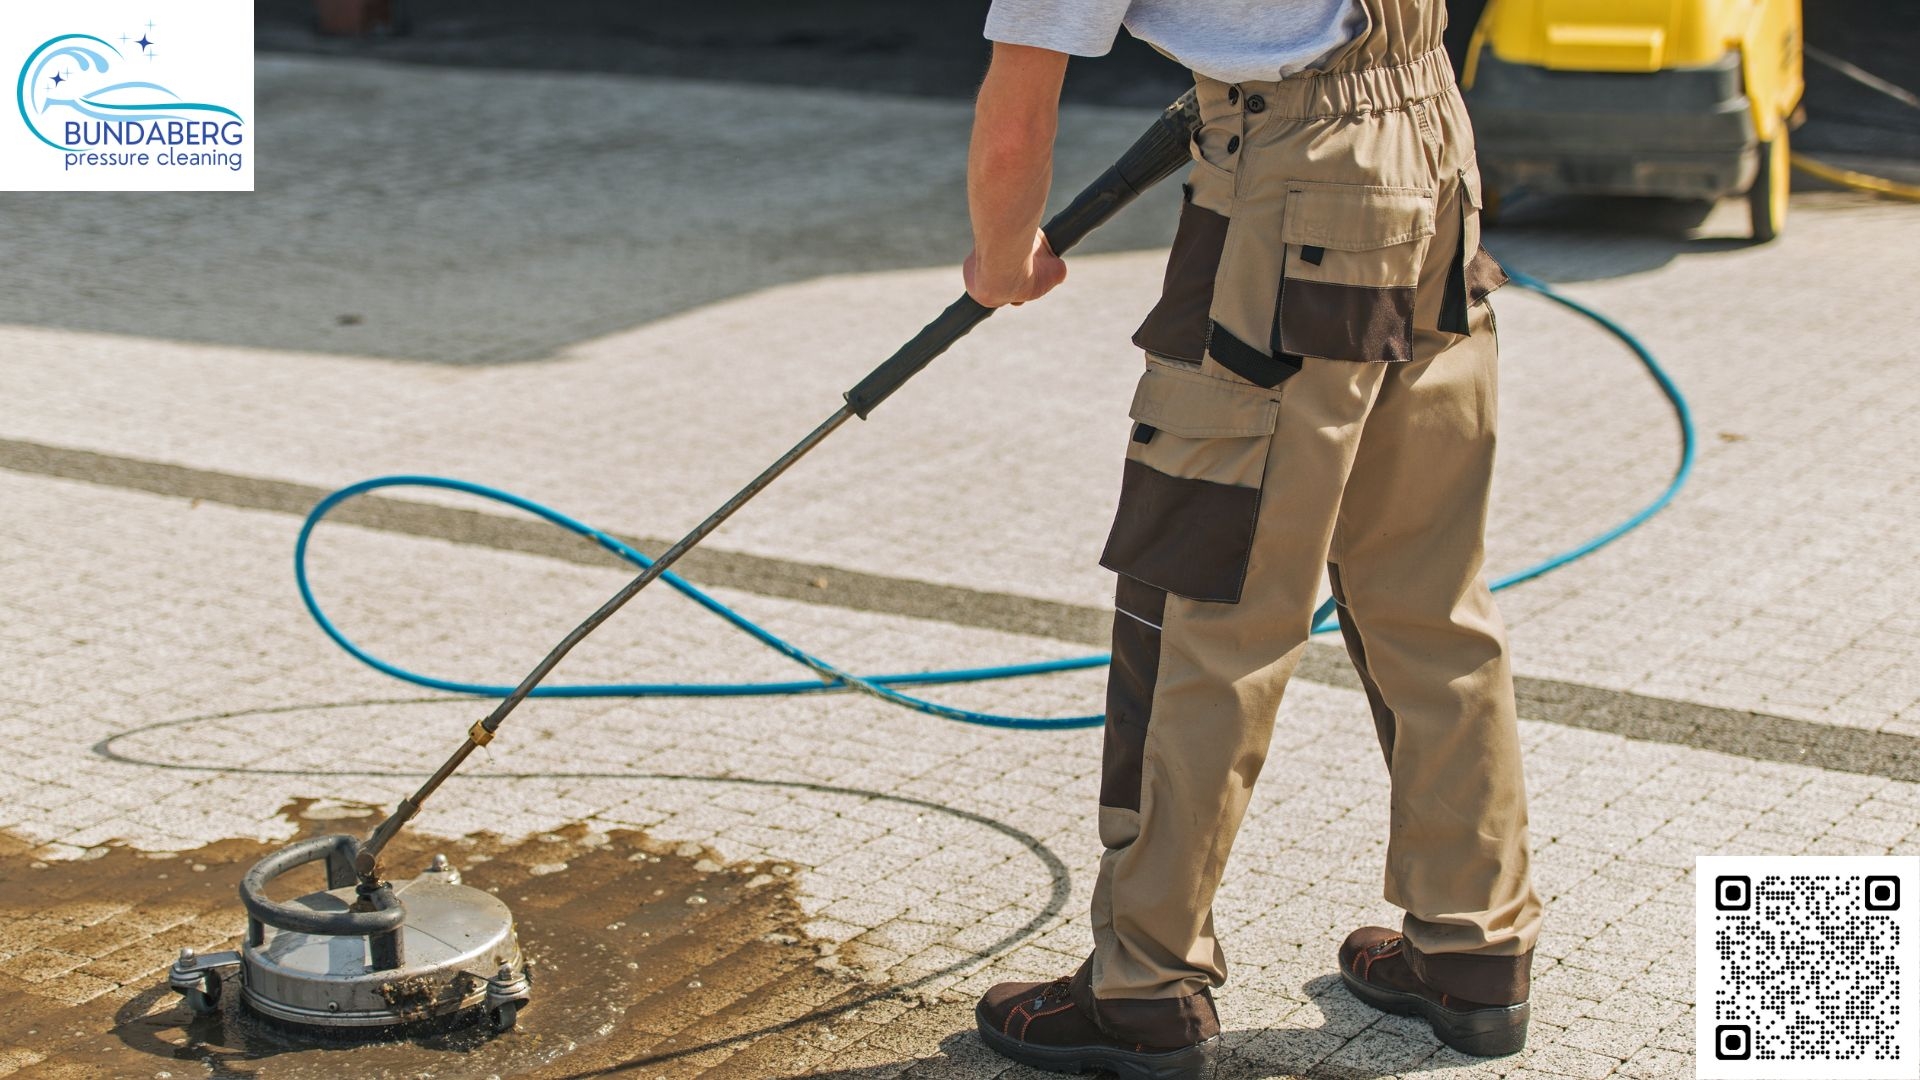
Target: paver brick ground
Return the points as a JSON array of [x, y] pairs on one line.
[[161, 688], [905, 897]]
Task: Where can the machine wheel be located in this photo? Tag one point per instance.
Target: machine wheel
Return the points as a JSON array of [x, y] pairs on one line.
[[204, 999], [1767, 198], [502, 1018]]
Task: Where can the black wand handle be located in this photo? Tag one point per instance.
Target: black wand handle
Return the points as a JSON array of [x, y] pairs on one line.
[[1152, 158]]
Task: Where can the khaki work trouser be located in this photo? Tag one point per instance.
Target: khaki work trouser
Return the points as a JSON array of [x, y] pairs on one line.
[[1319, 395]]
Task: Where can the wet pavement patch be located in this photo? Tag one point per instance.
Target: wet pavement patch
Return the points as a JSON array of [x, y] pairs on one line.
[[649, 960]]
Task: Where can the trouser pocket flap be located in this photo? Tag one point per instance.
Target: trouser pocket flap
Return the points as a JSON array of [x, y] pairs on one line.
[[1190, 494], [1352, 262], [1199, 406]]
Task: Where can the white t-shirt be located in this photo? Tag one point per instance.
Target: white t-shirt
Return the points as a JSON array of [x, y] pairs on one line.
[[1229, 40]]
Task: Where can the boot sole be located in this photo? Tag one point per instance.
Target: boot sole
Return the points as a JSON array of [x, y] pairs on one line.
[[1479, 1032], [1195, 1062]]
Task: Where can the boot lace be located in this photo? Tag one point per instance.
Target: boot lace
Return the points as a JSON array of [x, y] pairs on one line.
[[1054, 993]]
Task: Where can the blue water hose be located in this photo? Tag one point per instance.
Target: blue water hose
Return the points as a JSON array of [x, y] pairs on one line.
[[885, 686]]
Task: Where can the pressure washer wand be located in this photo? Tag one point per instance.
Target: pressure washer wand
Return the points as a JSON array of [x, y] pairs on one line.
[[1152, 158]]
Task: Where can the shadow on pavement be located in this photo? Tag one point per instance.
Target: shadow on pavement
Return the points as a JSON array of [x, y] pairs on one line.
[[1262, 1054], [1567, 238], [499, 196], [1356, 1044], [481, 215]]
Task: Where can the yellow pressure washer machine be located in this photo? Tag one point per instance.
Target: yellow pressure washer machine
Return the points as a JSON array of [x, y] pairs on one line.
[[1686, 99]]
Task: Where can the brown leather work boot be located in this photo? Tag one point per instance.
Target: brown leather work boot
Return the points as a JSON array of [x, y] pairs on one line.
[[1044, 1025], [1374, 967]]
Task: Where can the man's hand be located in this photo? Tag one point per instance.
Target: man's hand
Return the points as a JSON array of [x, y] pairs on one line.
[[1009, 168], [1030, 279]]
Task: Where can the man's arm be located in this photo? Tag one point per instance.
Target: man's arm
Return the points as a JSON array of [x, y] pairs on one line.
[[1009, 168]]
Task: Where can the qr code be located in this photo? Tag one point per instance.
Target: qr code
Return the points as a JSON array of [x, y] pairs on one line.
[[1806, 967]]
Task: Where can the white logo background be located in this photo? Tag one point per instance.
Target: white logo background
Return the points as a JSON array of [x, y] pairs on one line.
[[199, 50]]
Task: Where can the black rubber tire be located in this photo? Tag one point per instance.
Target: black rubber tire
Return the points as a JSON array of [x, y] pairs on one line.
[[503, 1018], [1767, 198]]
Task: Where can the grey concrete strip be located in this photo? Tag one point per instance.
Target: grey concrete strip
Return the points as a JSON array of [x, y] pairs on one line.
[[1757, 736], [818, 584]]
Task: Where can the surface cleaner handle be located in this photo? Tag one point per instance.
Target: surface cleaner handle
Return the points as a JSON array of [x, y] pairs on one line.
[[1152, 158]]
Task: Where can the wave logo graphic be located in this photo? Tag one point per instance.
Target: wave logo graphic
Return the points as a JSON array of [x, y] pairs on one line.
[[48, 93]]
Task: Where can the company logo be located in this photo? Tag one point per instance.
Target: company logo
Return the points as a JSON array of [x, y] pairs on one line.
[[71, 101], [154, 105]]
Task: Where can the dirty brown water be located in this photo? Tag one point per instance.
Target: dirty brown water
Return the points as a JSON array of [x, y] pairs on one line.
[[649, 960]]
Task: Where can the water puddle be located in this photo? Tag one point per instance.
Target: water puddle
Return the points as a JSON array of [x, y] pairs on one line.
[[650, 960]]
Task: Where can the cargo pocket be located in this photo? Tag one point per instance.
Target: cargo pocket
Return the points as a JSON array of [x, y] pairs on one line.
[[1474, 272], [1352, 264], [1176, 328], [1191, 490]]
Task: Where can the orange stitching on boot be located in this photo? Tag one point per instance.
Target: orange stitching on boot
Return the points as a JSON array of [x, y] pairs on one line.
[[1029, 1017], [1006, 1026], [1371, 956]]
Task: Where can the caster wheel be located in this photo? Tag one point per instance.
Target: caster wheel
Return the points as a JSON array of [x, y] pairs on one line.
[[1767, 198], [204, 999], [502, 1018]]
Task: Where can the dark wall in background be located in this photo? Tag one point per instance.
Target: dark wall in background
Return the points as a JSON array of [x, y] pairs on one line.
[[922, 47], [933, 48], [1882, 36]]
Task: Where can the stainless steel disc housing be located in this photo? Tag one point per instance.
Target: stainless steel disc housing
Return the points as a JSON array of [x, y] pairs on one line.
[[353, 958]]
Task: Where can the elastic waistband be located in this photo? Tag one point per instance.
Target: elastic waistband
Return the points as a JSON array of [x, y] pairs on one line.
[[1340, 93]]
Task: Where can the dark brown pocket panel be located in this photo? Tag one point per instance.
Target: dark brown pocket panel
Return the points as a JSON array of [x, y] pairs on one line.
[[1139, 611], [1189, 537], [1346, 322], [1176, 328], [1484, 274]]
